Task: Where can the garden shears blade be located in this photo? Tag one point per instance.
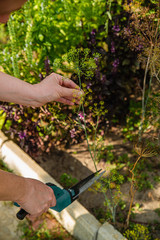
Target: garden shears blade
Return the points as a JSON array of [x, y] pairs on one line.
[[64, 197], [84, 184]]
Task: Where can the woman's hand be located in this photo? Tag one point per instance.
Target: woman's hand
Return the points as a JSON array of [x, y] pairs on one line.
[[37, 198], [32, 195], [57, 88], [52, 88]]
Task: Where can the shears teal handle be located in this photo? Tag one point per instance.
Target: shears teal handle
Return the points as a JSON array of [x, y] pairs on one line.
[[63, 199]]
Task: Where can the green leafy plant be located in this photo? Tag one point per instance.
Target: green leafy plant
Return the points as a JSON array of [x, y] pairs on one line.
[[67, 180], [133, 120], [83, 64], [138, 232], [26, 232], [143, 149]]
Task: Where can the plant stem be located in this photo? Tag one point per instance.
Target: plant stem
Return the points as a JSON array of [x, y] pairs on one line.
[[85, 128], [143, 94], [132, 191], [93, 156], [95, 138]]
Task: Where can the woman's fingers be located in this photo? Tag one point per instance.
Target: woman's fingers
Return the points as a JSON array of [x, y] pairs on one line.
[[69, 93], [69, 84], [65, 101]]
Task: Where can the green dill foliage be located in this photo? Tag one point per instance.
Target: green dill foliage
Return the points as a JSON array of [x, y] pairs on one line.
[[78, 61], [105, 153], [67, 180], [13, 39], [28, 39], [110, 187], [133, 120], [82, 63], [138, 232]]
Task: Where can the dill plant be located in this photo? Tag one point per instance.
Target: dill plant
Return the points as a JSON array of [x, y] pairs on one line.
[[13, 39], [143, 34], [139, 232], [28, 38], [82, 63]]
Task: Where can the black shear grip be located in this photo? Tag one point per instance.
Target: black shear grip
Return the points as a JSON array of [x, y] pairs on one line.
[[21, 214]]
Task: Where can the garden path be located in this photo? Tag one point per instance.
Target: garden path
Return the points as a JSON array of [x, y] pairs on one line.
[[8, 222]]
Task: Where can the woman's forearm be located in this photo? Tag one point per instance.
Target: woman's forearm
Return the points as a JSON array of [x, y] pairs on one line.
[[32, 195], [52, 88], [12, 187], [17, 91]]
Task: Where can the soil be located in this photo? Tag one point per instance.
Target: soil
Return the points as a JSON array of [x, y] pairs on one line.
[[77, 162]]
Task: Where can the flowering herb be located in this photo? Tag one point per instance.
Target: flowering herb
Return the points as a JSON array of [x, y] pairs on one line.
[[73, 133]]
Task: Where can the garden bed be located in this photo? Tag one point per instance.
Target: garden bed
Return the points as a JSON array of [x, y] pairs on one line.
[[76, 162], [75, 218]]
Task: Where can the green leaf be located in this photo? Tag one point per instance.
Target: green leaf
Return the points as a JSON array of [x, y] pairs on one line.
[[2, 118], [109, 15]]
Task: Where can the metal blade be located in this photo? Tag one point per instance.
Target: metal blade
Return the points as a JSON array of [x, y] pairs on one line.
[[89, 183], [86, 183]]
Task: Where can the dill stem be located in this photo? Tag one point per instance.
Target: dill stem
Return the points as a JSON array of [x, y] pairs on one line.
[[143, 93], [95, 137], [85, 126], [112, 208], [85, 129], [132, 192]]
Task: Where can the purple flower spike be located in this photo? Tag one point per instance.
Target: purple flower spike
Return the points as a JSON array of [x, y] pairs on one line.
[[116, 28], [115, 63], [93, 31], [73, 133], [81, 116], [22, 135], [112, 47]]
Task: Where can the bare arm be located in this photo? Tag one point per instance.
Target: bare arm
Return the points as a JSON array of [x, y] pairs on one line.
[[11, 186], [15, 90], [52, 88], [32, 195]]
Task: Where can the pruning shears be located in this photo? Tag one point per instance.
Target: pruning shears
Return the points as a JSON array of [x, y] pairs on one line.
[[64, 197]]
